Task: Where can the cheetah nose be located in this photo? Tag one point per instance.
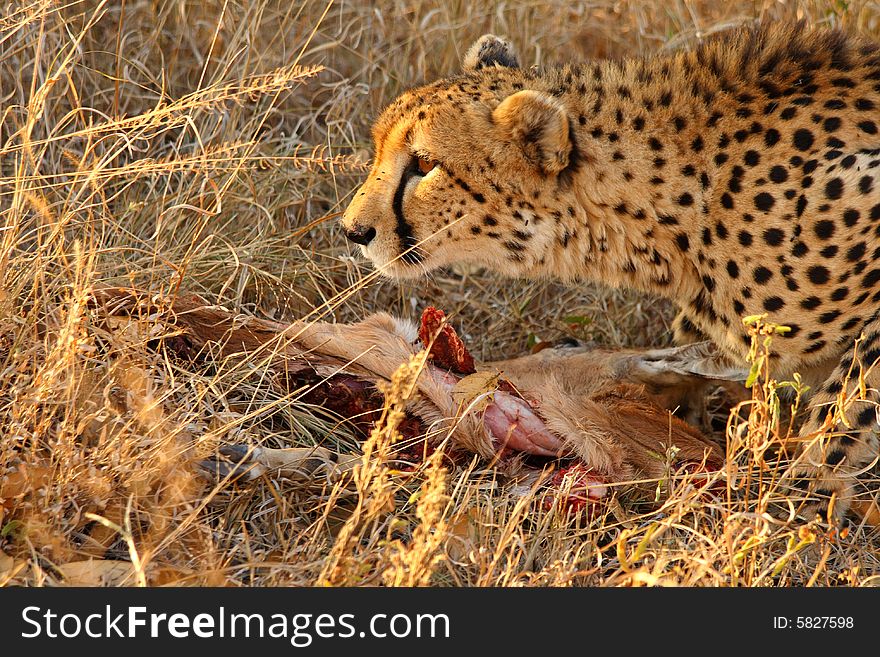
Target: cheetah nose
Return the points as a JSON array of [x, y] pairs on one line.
[[362, 235]]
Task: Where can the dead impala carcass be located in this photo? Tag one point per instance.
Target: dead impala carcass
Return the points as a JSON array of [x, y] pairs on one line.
[[606, 408]]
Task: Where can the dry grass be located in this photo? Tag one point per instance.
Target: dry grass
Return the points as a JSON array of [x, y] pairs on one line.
[[206, 146]]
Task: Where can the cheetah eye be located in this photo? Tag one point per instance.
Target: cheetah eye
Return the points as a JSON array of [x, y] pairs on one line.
[[425, 165]]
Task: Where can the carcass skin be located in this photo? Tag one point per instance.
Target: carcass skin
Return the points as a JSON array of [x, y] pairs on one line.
[[608, 408]]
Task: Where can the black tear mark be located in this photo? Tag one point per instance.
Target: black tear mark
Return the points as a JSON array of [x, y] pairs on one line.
[[403, 229]]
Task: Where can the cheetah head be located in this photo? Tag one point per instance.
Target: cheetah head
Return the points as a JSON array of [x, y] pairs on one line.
[[452, 162]]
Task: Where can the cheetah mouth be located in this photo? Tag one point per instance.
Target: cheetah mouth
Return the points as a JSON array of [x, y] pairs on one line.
[[399, 268]]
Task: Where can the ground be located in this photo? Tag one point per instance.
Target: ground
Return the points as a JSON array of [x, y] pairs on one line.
[[208, 147]]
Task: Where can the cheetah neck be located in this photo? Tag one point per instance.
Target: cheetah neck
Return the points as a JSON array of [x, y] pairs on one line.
[[634, 211]]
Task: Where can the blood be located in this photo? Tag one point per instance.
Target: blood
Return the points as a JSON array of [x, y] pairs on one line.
[[586, 489], [446, 349]]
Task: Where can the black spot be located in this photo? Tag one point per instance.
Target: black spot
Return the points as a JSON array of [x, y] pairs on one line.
[[803, 139], [811, 303], [824, 229], [771, 137], [800, 249], [867, 416], [830, 316], [727, 201], [866, 184], [732, 269], [840, 294], [855, 253], [834, 387], [773, 303], [764, 201], [835, 456], [834, 189], [871, 278], [818, 274], [778, 174], [816, 346], [745, 238], [851, 217], [773, 236], [762, 275], [752, 158], [848, 161], [655, 144], [697, 144], [683, 242], [868, 126], [849, 438], [685, 199], [829, 251], [831, 124]]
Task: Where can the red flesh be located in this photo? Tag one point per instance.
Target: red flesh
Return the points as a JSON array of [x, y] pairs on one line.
[[447, 349]]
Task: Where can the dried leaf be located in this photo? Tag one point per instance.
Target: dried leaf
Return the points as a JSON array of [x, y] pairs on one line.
[[98, 572], [472, 387]]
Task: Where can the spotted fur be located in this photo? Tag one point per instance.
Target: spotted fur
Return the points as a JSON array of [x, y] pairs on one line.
[[736, 178]]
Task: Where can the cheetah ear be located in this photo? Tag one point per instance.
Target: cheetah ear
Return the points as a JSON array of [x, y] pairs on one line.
[[538, 125], [490, 50]]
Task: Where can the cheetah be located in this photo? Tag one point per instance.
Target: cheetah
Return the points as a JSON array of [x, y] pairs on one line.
[[737, 178]]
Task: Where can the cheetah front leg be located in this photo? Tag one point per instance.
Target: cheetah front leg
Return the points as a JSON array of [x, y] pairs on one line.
[[841, 435], [685, 331]]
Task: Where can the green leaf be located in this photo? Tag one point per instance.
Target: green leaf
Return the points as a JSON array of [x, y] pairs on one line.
[[755, 371], [13, 528], [579, 320]]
